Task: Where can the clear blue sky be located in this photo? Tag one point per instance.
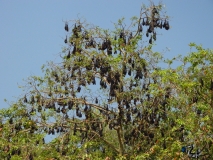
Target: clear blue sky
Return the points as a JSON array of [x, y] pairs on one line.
[[32, 32]]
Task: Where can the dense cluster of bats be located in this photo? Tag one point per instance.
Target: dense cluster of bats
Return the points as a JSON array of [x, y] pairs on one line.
[[129, 107], [129, 110], [80, 70]]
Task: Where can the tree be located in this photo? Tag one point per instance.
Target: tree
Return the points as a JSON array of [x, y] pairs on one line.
[[110, 99]]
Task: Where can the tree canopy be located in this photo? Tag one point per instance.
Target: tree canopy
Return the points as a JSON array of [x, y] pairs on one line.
[[110, 98]]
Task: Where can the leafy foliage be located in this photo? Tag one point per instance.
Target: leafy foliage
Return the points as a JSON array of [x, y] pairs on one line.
[[110, 99]]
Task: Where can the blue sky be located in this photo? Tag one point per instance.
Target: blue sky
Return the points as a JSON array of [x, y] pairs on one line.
[[32, 32]]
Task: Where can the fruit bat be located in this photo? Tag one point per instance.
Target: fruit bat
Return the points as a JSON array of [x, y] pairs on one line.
[[147, 34], [154, 36], [65, 41], [143, 23], [167, 25], [211, 85], [147, 22], [66, 27], [150, 40], [140, 28], [96, 100]]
